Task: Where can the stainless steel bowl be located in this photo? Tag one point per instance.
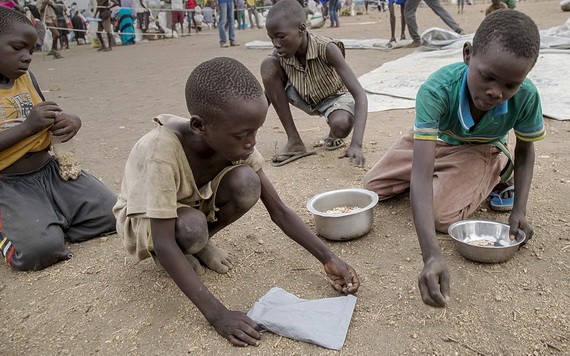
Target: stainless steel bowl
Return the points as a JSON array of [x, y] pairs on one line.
[[485, 241], [343, 226]]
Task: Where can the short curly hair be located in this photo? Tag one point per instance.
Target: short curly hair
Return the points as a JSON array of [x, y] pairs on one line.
[[8, 19], [515, 31], [291, 9], [214, 83]]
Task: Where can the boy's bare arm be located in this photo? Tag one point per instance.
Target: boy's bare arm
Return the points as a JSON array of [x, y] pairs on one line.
[[336, 59], [524, 168], [343, 277], [235, 326], [434, 278], [41, 117]]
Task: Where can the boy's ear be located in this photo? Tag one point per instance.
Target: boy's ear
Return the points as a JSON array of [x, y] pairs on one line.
[[197, 123], [467, 52], [302, 27]]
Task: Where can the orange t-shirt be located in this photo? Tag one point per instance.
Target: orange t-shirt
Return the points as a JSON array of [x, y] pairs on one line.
[[15, 106]]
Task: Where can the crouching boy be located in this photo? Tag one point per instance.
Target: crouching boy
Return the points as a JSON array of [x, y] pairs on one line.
[[187, 179]]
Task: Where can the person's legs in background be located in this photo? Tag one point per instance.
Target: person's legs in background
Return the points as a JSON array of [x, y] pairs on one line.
[[231, 22], [55, 39], [410, 17], [440, 11]]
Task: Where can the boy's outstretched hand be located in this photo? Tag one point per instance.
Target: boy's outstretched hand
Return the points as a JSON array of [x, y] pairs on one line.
[[238, 328], [518, 221], [354, 155], [343, 277], [434, 282]]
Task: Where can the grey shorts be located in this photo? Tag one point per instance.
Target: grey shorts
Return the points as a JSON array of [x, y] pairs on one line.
[[39, 211], [334, 102]]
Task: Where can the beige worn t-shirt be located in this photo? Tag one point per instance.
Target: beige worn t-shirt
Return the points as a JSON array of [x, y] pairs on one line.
[[158, 178]]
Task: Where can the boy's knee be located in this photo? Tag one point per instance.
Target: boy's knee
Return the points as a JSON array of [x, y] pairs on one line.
[[443, 218], [40, 252], [244, 185], [191, 230], [340, 123], [378, 186]]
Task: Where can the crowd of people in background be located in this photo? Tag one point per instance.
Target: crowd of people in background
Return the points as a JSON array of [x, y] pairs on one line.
[[106, 23]]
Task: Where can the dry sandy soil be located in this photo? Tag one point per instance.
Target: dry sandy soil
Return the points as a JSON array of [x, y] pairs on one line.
[[103, 302]]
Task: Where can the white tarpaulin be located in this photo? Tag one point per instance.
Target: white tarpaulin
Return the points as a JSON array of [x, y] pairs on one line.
[[394, 84]]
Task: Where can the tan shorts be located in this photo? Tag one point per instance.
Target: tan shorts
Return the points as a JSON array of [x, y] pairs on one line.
[[463, 176], [136, 231]]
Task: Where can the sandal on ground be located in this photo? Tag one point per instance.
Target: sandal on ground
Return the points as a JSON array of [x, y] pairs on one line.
[[291, 156], [330, 143], [502, 200]]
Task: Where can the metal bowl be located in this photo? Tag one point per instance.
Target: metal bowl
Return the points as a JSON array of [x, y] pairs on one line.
[[485, 241], [354, 222]]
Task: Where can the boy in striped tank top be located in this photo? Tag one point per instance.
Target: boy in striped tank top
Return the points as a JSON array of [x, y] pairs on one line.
[[311, 73]]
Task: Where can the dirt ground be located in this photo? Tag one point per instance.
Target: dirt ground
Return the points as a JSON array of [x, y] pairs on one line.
[[103, 302]]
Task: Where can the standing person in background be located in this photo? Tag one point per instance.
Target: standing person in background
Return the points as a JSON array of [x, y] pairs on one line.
[[153, 7], [177, 16], [191, 7], [460, 5], [226, 8], [333, 13], [47, 13], [391, 4], [61, 12], [143, 15], [325, 4], [252, 10], [166, 5], [435, 5], [78, 22], [240, 11], [103, 11]]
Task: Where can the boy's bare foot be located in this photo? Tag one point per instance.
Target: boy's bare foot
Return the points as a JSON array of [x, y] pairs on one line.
[[215, 258], [194, 262], [196, 265]]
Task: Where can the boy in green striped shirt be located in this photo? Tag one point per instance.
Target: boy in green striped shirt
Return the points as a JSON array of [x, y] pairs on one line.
[[454, 158]]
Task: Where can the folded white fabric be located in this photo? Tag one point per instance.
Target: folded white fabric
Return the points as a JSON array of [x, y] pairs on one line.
[[321, 321]]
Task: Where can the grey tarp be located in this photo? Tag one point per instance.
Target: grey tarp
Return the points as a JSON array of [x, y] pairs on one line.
[[321, 321]]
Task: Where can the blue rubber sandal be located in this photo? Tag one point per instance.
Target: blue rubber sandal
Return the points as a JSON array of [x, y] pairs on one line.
[[503, 200]]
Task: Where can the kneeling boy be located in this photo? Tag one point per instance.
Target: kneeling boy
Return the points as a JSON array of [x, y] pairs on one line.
[[453, 158]]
